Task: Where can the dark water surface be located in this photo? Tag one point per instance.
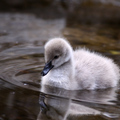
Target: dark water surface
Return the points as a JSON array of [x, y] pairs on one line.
[[22, 38]]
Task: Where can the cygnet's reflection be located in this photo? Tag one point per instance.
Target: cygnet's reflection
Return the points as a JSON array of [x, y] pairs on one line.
[[60, 108], [52, 108], [60, 104]]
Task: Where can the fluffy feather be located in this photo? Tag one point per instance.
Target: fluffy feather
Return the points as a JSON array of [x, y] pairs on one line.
[[79, 69]]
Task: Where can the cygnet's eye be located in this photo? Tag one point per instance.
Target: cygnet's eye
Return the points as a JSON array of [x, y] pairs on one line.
[[56, 57]]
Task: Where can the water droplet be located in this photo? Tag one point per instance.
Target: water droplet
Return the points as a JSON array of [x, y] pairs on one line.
[[25, 84], [13, 93]]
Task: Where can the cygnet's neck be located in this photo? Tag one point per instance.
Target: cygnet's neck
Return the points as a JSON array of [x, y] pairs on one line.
[[63, 76], [69, 67]]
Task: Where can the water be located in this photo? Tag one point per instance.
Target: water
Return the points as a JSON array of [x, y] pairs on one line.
[[22, 37]]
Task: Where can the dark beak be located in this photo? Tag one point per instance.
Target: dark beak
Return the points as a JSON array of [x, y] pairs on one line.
[[47, 68]]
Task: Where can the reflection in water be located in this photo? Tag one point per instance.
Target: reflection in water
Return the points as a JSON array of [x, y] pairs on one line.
[[77, 104], [61, 109]]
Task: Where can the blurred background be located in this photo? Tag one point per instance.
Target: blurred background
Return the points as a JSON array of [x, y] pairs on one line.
[[26, 25], [91, 23]]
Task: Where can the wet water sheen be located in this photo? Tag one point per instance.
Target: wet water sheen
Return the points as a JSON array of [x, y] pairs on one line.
[[22, 38]]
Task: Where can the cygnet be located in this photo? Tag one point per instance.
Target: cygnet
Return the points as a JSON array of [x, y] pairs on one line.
[[79, 69]]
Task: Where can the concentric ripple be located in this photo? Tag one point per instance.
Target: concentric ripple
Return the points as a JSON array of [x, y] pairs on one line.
[[22, 66]]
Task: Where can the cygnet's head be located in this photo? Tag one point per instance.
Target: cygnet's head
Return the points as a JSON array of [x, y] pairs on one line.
[[57, 52]]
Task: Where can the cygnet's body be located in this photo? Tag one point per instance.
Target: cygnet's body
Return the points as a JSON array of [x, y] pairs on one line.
[[79, 69]]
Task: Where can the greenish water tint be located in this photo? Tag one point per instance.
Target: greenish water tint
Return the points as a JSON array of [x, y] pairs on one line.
[[22, 38]]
